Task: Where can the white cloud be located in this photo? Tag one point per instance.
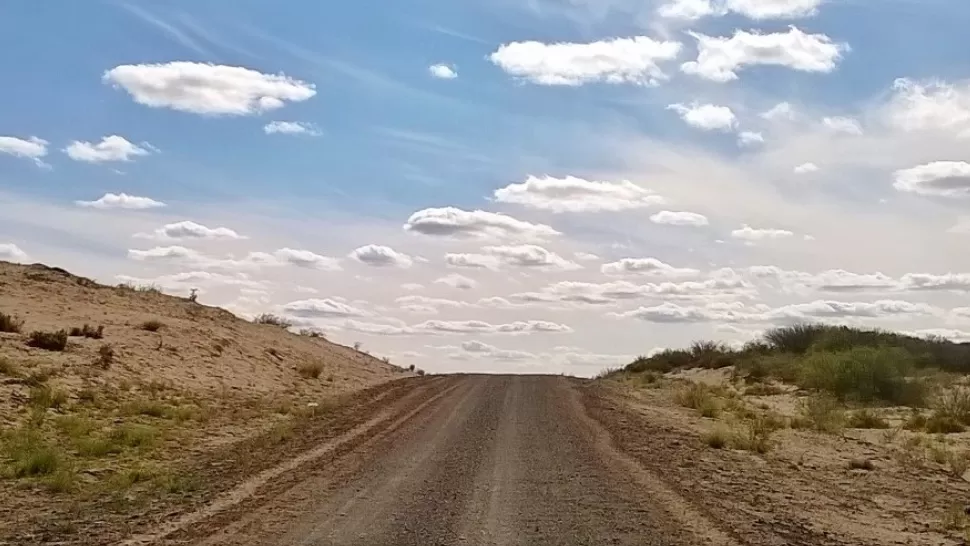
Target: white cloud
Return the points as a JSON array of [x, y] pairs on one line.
[[381, 256], [111, 148], [208, 89], [11, 253], [412, 286], [844, 125], [454, 222], [573, 194], [608, 293], [481, 327], [426, 305], [322, 308], [645, 266], [719, 58], [774, 9], [939, 178], [780, 111], [930, 105], [442, 71], [735, 312], [291, 128], [748, 233], [306, 259], [805, 168], [586, 256], [33, 148], [928, 281], [164, 253], [485, 350], [190, 230], [687, 10], [472, 261], [121, 201], [457, 281], [253, 260], [750, 138], [530, 256], [679, 218], [707, 117], [377, 329], [197, 279], [619, 60]]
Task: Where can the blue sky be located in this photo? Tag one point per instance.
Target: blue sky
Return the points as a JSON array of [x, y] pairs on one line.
[[559, 102]]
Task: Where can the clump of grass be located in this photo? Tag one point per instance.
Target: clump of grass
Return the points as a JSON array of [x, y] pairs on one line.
[[865, 374], [29, 454], [148, 408], [106, 356], [754, 436], [797, 338], [762, 389], [176, 483], [958, 463], [420, 372], [695, 396], [310, 370], [954, 404], [135, 436], [866, 418], [312, 332], [861, 464], [274, 320], [717, 438], [63, 480], [49, 341], [955, 518], [8, 368], [10, 324], [44, 397], [153, 325], [97, 446], [824, 413], [87, 331]]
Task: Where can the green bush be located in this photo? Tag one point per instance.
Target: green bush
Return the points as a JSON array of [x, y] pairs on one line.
[[49, 341], [797, 338], [823, 413], [865, 374]]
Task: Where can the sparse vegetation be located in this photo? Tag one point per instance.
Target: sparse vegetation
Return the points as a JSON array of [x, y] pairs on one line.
[[10, 324], [823, 413], [87, 331], [153, 325], [44, 397], [717, 438], [312, 332], [700, 397], [866, 418], [310, 370], [274, 320], [8, 368], [106, 356], [861, 464], [49, 341]]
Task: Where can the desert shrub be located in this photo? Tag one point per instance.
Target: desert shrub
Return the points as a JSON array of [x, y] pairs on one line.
[[757, 368], [718, 438], [695, 396], [134, 436], [762, 389], [148, 408], [49, 341], [274, 320], [942, 424], [310, 370], [43, 397], [957, 463], [10, 324], [709, 354], [153, 325], [866, 418], [419, 371], [311, 332], [29, 454], [954, 404], [411, 368], [797, 338], [754, 435], [861, 464], [106, 356], [823, 413], [865, 374], [7, 367], [87, 331]]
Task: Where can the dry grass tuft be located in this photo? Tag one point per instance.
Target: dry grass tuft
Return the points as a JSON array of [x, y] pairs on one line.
[[49, 341], [10, 324], [310, 370], [153, 325], [87, 331]]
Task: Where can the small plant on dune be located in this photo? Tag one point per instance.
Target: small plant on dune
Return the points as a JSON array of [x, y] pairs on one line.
[[797, 338], [194, 295], [49, 341], [695, 396], [29, 454], [411, 368], [710, 354], [861, 464], [824, 413], [866, 418], [954, 404], [419, 371], [10, 324], [754, 436], [865, 374], [958, 463], [8, 368], [106, 356], [311, 332], [717, 438], [310, 370], [87, 331], [762, 389], [44, 397], [153, 325], [273, 320]]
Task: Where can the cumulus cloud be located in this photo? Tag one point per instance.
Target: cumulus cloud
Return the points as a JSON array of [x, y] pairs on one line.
[[381, 256], [692, 10], [442, 71], [111, 148], [10, 252], [482, 327], [33, 148], [735, 312], [196, 279], [750, 234], [190, 230], [645, 266], [472, 261], [121, 201], [208, 89], [720, 58], [484, 350], [426, 305], [306, 259], [679, 218], [291, 128], [281, 257], [843, 125], [929, 281], [454, 222], [805, 168], [585, 256], [939, 178], [457, 281], [619, 60], [572, 194], [778, 112], [322, 308], [688, 10], [588, 293], [707, 117], [750, 138], [530, 256], [930, 105]]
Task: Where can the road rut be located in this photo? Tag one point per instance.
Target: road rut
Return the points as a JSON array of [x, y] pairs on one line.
[[489, 460]]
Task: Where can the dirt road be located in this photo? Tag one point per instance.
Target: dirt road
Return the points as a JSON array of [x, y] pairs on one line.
[[466, 460]]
